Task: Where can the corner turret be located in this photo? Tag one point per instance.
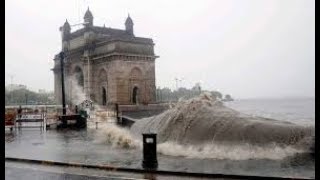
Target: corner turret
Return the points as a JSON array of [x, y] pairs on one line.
[[65, 30], [88, 18], [129, 25]]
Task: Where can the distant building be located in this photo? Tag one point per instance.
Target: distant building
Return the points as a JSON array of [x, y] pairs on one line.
[[12, 87], [42, 91], [196, 87], [110, 65]]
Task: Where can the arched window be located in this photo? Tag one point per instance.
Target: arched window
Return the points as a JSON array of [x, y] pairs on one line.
[[136, 73]]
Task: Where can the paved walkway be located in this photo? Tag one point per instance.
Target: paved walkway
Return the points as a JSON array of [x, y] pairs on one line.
[[29, 171], [84, 147]]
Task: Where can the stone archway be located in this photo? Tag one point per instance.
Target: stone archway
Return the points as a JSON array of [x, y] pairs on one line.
[[104, 96], [135, 95], [103, 87], [136, 89]]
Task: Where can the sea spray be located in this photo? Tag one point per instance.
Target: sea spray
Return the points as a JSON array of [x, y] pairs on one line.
[[185, 130], [77, 93], [117, 137], [78, 96], [107, 132], [204, 127]]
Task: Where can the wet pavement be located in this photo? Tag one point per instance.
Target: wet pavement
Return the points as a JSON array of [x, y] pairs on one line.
[[15, 170], [17, 173], [82, 147]]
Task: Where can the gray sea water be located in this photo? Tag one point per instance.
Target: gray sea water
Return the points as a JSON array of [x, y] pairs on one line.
[[297, 110]]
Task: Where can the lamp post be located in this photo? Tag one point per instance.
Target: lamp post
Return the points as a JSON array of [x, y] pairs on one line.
[[62, 55], [88, 77]]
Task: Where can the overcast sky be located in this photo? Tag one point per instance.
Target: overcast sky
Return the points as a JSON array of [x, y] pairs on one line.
[[246, 48]]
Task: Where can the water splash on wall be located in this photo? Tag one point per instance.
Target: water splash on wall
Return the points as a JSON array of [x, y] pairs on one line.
[[203, 127], [117, 137], [77, 92]]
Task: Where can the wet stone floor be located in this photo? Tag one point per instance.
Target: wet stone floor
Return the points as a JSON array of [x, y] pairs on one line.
[[80, 147]]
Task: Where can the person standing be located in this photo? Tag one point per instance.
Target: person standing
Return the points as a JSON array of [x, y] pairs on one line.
[[19, 112]]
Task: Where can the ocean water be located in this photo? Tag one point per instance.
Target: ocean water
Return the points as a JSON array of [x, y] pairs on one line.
[[297, 110]]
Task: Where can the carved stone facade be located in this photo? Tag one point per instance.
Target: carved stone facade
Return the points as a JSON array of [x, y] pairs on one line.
[[109, 65]]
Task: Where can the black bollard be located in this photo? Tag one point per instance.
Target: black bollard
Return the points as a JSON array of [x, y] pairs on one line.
[[149, 151]]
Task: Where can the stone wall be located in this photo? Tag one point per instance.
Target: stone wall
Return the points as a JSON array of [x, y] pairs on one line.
[[118, 79]]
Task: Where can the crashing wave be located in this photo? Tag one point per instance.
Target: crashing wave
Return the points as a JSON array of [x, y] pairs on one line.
[[205, 121]]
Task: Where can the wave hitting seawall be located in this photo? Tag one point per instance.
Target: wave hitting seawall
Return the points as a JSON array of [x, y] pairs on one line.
[[203, 127]]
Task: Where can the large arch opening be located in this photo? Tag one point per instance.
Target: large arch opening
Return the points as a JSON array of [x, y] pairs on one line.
[[104, 96], [135, 95], [103, 86], [135, 84]]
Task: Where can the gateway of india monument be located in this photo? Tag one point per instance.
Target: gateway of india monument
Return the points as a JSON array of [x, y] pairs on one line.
[[109, 65]]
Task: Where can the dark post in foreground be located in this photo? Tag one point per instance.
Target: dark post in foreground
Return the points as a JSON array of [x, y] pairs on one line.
[[62, 83], [150, 151]]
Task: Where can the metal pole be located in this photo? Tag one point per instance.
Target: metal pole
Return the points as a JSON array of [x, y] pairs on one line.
[[88, 78], [117, 110], [62, 83], [26, 98]]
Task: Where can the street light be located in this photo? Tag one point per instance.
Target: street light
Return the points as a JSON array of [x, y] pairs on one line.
[[62, 55]]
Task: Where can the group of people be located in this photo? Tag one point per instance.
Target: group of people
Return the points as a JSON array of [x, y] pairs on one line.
[[20, 110]]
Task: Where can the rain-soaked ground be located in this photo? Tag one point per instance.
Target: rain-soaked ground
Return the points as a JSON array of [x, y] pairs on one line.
[[80, 147], [17, 170]]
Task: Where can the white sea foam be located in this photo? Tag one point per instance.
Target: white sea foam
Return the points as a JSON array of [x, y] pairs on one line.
[[231, 151], [77, 93], [117, 137]]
